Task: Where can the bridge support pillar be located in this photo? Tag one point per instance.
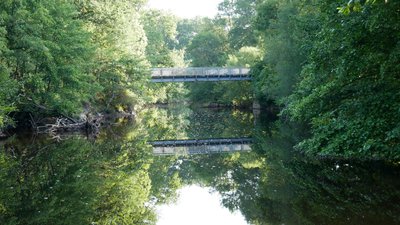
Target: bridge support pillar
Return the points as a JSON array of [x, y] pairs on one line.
[[256, 111], [256, 104]]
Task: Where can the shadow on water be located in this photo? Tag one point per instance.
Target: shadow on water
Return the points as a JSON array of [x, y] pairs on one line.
[[116, 179]]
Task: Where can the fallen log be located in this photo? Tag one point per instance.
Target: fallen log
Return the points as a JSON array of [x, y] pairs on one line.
[[63, 124]]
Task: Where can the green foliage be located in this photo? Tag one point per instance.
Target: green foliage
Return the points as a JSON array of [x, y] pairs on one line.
[[48, 55], [75, 182], [275, 185], [225, 93], [160, 30], [358, 5], [286, 27], [296, 190], [8, 88], [61, 58], [115, 179], [312, 54], [279, 186], [245, 57], [352, 104], [120, 66], [187, 29], [237, 16], [208, 49]]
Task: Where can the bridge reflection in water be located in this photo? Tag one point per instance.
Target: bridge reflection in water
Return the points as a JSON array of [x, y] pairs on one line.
[[201, 146]]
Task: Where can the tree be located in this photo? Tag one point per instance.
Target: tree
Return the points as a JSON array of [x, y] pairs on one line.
[[120, 61], [48, 56], [7, 92], [245, 57], [187, 29], [75, 181], [160, 30], [287, 28], [208, 49], [8, 87], [238, 16], [352, 103]]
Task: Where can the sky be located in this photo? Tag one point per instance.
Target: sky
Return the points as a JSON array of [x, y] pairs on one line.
[[197, 206], [187, 8]]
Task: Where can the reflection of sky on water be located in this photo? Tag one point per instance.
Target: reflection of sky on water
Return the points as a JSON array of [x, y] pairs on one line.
[[197, 206]]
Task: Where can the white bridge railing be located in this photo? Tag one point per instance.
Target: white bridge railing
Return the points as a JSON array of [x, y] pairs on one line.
[[199, 71]]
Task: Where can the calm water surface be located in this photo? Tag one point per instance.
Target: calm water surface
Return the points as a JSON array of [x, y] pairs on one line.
[[117, 177]]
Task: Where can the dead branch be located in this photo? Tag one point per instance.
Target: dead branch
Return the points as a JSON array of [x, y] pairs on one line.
[[63, 124]]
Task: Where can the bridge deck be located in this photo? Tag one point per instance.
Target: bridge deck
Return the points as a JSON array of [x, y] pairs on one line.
[[193, 74]]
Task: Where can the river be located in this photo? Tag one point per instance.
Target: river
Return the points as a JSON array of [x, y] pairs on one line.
[[119, 177]]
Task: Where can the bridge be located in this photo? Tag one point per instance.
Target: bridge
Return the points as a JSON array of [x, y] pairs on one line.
[[201, 146], [193, 74]]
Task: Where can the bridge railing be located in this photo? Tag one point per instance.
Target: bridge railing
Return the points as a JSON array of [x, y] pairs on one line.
[[199, 71]]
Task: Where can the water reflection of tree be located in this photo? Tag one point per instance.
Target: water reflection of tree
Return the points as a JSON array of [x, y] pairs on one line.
[[217, 123], [109, 180], [276, 185], [115, 179], [74, 181], [304, 190]]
